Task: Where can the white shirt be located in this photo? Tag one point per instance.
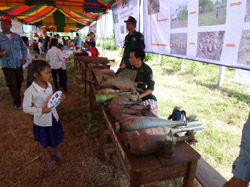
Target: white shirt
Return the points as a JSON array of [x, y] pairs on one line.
[[29, 58], [40, 45], [55, 57], [60, 41], [64, 61], [33, 102]]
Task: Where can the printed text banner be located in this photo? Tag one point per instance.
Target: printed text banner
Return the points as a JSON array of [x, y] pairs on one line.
[[213, 31]]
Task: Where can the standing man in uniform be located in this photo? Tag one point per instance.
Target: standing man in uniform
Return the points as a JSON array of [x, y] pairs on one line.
[[13, 54], [133, 40]]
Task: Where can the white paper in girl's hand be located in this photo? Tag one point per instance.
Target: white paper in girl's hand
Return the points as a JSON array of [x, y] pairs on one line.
[[55, 99]]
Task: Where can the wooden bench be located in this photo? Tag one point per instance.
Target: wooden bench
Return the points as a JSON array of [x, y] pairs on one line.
[[208, 176]]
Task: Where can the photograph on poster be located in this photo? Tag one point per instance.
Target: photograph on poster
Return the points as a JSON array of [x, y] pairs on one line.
[[153, 6], [115, 14], [178, 43], [122, 29], [212, 12], [247, 17], [115, 18], [210, 45], [244, 48], [179, 14]]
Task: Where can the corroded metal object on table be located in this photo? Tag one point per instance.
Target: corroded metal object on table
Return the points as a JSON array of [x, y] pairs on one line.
[[101, 74], [125, 100], [151, 140], [136, 107], [102, 98], [130, 123], [125, 80], [137, 110]]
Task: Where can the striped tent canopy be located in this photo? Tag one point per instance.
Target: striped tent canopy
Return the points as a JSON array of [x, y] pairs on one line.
[[63, 15]]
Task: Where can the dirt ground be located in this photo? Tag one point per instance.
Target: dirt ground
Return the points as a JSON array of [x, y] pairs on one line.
[[80, 167]]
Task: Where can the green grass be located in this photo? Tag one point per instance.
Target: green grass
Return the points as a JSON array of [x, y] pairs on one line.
[[209, 18], [222, 111]]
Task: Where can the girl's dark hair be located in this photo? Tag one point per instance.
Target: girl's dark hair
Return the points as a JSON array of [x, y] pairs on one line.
[[139, 53], [87, 42], [54, 42], [25, 39], [92, 44], [36, 66]]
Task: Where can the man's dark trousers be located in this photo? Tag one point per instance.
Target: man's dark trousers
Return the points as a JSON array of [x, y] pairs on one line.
[[56, 72], [14, 79]]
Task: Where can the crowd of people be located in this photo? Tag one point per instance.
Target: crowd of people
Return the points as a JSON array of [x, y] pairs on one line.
[[86, 47], [82, 47]]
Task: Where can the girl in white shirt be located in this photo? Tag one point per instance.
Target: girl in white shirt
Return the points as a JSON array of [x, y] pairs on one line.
[[47, 128]]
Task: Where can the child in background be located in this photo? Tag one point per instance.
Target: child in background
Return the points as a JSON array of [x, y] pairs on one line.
[[40, 46], [29, 58], [94, 51], [55, 57], [63, 84], [47, 127], [87, 46]]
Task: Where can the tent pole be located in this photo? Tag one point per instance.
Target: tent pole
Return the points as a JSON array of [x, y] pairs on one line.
[[182, 65], [221, 76], [139, 15], [159, 59], [102, 26], [105, 27]]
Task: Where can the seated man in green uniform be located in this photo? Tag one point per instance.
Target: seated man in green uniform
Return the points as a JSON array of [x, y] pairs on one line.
[[144, 78], [133, 40]]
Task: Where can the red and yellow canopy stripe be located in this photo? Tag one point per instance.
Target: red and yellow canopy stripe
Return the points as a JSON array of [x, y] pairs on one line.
[[40, 15], [30, 12], [75, 17]]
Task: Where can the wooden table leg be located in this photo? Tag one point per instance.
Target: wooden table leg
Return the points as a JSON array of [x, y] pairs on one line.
[[86, 78], [135, 179], [189, 178], [91, 98], [101, 154], [82, 74]]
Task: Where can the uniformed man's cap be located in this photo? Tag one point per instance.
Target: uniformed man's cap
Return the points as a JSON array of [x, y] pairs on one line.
[[5, 18], [131, 20]]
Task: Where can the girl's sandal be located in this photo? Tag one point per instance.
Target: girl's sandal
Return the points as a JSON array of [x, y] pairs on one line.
[[51, 165], [58, 155]]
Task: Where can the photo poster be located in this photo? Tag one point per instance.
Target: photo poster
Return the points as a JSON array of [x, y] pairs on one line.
[[212, 31], [121, 10]]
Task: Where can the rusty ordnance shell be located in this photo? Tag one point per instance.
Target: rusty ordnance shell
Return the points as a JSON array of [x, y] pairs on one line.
[[147, 141], [114, 111], [140, 122], [124, 80], [119, 107], [125, 100], [138, 110]]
